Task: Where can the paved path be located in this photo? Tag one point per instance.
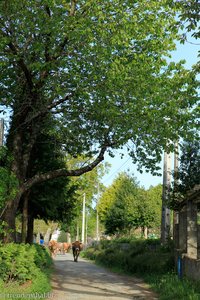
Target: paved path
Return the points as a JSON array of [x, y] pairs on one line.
[[86, 281]]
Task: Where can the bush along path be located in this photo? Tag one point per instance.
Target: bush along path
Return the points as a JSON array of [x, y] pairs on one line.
[[24, 271], [86, 281]]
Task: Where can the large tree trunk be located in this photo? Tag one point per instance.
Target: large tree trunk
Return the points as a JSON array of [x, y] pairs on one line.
[[8, 217], [9, 234], [29, 237], [25, 217]]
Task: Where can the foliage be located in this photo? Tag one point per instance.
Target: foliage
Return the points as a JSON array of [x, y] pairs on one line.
[[8, 181], [37, 286], [189, 165], [13, 262], [90, 185], [62, 238], [4, 230], [87, 183], [187, 175], [98, 74], [154, 195], [125, 205], [97, 87], [150, 261], [41, 226], [170, 287], [189, 13], [139, 256], [53, 200]]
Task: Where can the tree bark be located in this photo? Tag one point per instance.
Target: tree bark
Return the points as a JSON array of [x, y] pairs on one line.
[[29, 237], [8, 217], [25, 217]]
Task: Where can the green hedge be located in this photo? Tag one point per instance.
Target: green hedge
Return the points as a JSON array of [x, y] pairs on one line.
[[21, 262], [138, 256]]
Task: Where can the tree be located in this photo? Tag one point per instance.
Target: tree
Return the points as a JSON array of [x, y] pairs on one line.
[[100, 71], [87, 184], [54, 200], [188, 172], [154, 194], [189, 13], [125, 206]]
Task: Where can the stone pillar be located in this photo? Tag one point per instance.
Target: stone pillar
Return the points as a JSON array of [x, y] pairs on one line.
[[182, 232], [198, 241], [176, 229], [192, 230]]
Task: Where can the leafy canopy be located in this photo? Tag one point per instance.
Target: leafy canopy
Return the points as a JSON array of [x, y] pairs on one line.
[[100, 68]]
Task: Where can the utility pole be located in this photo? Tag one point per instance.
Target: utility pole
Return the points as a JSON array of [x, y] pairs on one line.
[[175, 213], [86, 228], [83, 220], [97, 233], [165, 220], [77, 231], [1, 131], [97, 228]]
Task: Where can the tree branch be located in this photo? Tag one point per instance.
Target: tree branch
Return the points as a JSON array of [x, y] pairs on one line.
[[22, 65], [39, 178], [44, 111], [73, 8]]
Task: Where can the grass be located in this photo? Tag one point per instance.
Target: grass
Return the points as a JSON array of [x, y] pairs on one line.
[[170, 287]]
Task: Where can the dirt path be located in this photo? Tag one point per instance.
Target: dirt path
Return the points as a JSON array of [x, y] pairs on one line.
[[86, 281]]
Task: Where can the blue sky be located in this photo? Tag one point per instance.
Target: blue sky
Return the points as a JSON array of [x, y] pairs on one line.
[[189, 52]]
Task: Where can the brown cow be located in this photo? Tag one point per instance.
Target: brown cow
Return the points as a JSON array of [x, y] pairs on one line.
[[66, 247], [59, 248], [76, 248], [53, 247]]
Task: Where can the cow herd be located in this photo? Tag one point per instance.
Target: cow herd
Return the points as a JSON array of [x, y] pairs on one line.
[[62, 248]]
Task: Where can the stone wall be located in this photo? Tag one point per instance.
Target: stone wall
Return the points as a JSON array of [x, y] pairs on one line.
[[191, 268]]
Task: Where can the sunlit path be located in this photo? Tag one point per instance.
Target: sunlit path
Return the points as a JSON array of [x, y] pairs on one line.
[[86, 281]]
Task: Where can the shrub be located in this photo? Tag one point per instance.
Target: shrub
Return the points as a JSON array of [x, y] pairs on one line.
[[21, 262], [150, 262], [90, 253], [142, 256]]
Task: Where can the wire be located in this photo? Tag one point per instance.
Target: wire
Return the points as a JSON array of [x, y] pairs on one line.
[[117, 170]]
